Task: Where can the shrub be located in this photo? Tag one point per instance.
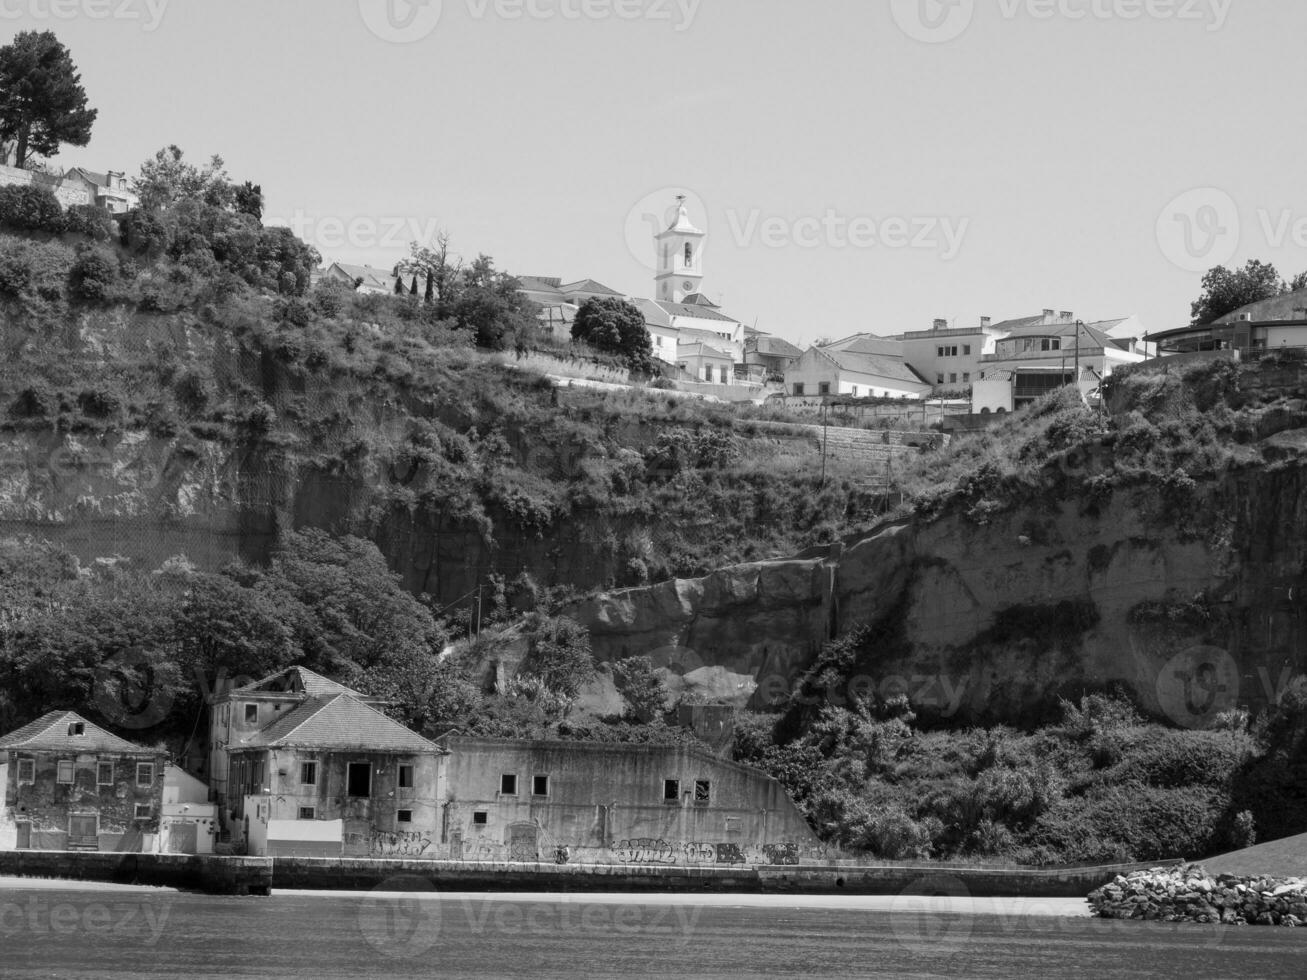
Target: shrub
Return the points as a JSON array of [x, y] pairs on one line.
[[31, 209], [95, 223], [145, 233], [94, 276]]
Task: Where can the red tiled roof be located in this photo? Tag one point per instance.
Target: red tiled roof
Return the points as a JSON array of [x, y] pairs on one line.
[[338, 721], [50, 733]]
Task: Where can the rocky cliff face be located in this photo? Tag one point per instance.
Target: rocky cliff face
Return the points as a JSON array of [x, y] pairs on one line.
[[1193, 607]]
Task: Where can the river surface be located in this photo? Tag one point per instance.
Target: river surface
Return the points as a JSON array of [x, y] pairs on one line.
[[47, 931]]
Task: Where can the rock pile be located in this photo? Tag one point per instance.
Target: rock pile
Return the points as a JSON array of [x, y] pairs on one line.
[[1190, 894]]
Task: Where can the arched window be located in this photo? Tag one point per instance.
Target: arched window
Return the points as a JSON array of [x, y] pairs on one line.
[[689, 255]]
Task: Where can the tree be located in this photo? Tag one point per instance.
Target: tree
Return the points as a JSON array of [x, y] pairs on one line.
[[641, 688], [1225, 290], [413, 289], [399, 282], [42, 102], [560, 657], [435, 262], [616, 327], [248, 199], [167, 180]]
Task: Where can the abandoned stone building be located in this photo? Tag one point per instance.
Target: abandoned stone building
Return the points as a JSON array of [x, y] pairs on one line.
[[67, 784], [304, 766]]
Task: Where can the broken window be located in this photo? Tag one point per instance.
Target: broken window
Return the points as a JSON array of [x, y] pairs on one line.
[[308, 813], [671, 790], [539, 785], [144, 773], [64, 771], [359, 782], [251, 714], [702, 791], [480, 818], [406, 777], [309, 773], [77, 728], [104, 774], [404, 816], [508, 784]]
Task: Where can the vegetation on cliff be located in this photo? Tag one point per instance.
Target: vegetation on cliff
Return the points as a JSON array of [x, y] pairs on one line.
[[1100, 784]]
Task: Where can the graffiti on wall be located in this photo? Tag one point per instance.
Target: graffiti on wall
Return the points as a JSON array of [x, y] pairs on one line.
[[649, 850], [388, 843]]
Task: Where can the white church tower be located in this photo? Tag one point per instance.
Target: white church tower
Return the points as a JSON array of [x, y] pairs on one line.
[[680, 259]]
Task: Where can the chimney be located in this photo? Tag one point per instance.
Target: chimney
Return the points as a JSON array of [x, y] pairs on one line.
[[1067, 317], [941, 325], [986, 322], [1048, 316]]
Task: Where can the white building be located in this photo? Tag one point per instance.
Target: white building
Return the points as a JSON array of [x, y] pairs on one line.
[[862, 366], [1036, 358]]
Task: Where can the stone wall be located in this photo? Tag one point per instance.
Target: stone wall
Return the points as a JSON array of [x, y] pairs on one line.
[[68, 194]]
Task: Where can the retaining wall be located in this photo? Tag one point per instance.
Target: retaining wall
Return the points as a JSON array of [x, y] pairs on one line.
[[68, 194], [249, 876]]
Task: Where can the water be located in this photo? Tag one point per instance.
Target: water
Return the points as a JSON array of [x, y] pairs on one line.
[[51, 932]]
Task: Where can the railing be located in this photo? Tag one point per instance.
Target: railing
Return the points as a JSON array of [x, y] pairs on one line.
[[1294, 354]]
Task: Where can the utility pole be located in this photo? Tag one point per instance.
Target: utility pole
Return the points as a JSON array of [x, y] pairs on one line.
[[824, 404], [1079, 324]]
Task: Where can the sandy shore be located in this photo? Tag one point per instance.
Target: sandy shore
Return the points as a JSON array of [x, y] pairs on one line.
[[1063, 908], [68, 885]]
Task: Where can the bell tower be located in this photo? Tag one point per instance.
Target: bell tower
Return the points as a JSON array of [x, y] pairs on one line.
[[680, 258]]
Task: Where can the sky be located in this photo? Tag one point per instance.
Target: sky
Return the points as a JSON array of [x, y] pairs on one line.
[[859, 165]]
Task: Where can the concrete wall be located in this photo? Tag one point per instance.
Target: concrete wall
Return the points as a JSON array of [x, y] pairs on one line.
[[605, 803], [46, 804], [69, 194]]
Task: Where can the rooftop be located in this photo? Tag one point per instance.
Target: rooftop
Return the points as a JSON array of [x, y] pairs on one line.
[[337, 721], [52, 733]]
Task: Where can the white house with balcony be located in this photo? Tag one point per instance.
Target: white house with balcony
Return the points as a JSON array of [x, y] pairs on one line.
[[1038, 357]]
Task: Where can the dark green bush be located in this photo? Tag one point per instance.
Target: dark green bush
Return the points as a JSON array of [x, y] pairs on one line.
[[95, 275], [30, 208], [95, 223]]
